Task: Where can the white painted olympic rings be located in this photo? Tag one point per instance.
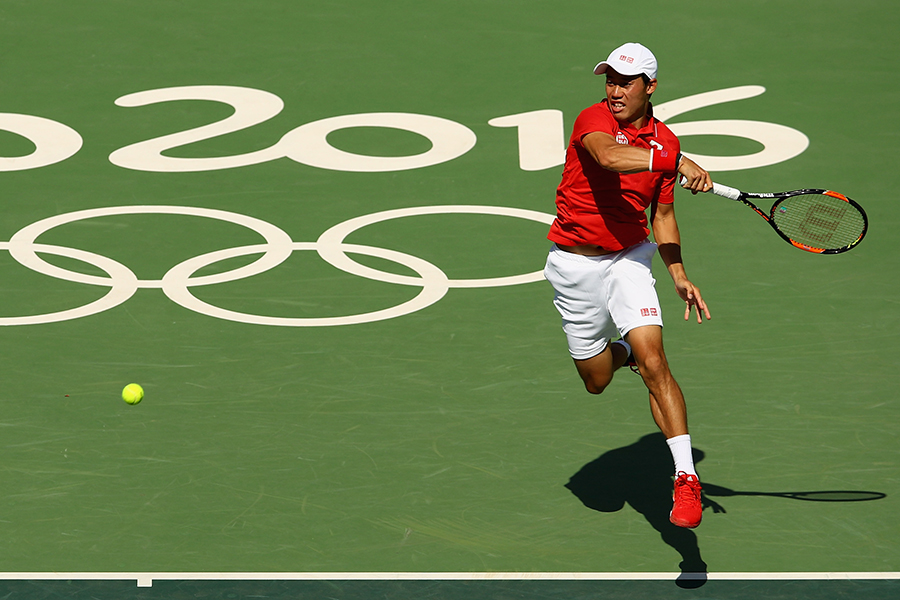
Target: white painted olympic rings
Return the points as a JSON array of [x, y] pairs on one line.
[[278, 246]]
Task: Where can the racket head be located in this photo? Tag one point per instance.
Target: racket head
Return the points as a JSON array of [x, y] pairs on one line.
[[819, 221]]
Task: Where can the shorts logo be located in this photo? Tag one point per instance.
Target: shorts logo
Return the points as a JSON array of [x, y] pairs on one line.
[[649, 312], [621, 138]]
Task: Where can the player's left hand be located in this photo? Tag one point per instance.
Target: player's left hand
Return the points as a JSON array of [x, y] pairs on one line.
[[692, 298]]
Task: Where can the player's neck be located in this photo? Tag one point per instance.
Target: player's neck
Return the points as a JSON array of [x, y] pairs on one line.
[[639, 119], [642, 118], [639, 122]]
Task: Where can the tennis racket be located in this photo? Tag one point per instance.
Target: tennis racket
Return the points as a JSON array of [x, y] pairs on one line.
[[819, 221]]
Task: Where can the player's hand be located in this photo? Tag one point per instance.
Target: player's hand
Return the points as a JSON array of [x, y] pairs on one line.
[[692, 298], [693, 177]]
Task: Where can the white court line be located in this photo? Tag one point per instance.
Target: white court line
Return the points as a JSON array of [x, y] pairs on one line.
[[147, 579]]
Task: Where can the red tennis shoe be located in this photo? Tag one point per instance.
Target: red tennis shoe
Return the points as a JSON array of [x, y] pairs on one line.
[[687, 509]]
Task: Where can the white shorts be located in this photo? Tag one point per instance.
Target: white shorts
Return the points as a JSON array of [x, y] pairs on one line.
[[601, 298]]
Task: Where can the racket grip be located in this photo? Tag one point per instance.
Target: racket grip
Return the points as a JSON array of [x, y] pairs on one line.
[[726, 192], [719, 189]]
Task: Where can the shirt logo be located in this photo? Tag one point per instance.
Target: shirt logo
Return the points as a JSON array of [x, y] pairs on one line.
[[647, 312], [656, 144], [621, 138]]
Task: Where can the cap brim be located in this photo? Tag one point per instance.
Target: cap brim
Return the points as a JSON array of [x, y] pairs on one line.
[[601, 68]]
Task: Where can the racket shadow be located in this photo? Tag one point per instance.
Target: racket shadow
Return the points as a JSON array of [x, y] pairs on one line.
[[815, 496]]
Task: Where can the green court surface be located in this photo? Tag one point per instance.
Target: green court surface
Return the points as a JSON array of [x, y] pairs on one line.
[[445, 429]]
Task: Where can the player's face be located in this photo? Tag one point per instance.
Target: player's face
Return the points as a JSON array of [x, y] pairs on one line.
[[628, 96]]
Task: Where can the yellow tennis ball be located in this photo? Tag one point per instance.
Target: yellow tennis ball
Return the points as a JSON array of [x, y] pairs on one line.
[[133, 393]]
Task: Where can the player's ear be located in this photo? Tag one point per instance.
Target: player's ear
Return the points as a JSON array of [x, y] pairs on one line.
[[651, 86]]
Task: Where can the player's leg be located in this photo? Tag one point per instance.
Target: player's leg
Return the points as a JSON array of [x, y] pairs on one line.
[[635, 294], [669, 412], [666, 399], [580, 286], [597, 371]]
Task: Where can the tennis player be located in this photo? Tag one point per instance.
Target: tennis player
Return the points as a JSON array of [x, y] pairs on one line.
[[620, 162]]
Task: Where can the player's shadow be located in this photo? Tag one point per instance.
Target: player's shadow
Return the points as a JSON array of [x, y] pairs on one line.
[[641, 475]]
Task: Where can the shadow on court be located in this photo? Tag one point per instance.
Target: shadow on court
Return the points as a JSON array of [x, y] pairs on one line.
[[641, 476]]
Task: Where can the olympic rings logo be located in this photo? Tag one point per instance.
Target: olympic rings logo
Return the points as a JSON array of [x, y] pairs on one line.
[[178, 281]]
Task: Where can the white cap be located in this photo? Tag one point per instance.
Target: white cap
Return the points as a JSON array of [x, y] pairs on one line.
[[629, 59]]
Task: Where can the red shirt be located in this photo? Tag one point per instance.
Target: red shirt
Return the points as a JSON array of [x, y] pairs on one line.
[[604, 208]]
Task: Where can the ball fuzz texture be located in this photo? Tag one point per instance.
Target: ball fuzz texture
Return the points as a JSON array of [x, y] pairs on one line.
[[133, 393]]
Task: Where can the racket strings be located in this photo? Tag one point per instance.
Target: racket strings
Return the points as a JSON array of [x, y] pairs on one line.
[[819, 221]]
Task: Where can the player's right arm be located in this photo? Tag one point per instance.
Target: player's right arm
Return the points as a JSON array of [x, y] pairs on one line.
[[623, 158], [614, 156]]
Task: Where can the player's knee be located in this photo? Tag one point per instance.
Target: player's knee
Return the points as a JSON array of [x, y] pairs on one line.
[[596, 385], [595, 373], [654, 365], [594, 389], [655, 368]]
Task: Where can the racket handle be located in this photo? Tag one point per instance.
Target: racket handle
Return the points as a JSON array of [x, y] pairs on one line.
[[726, 192], [719, 189]]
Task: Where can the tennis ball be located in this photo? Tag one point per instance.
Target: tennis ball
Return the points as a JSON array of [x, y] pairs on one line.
[[133, 393]]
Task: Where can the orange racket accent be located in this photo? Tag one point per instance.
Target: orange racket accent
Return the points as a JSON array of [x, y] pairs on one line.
[[807, 248], [835, 195]]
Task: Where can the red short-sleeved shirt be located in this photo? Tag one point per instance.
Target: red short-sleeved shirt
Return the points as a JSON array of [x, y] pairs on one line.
[[604, 208]]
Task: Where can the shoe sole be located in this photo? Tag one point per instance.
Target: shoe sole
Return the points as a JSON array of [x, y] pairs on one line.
[[684, 524]]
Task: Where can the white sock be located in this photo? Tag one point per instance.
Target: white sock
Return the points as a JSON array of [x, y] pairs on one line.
[[680, 445]]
